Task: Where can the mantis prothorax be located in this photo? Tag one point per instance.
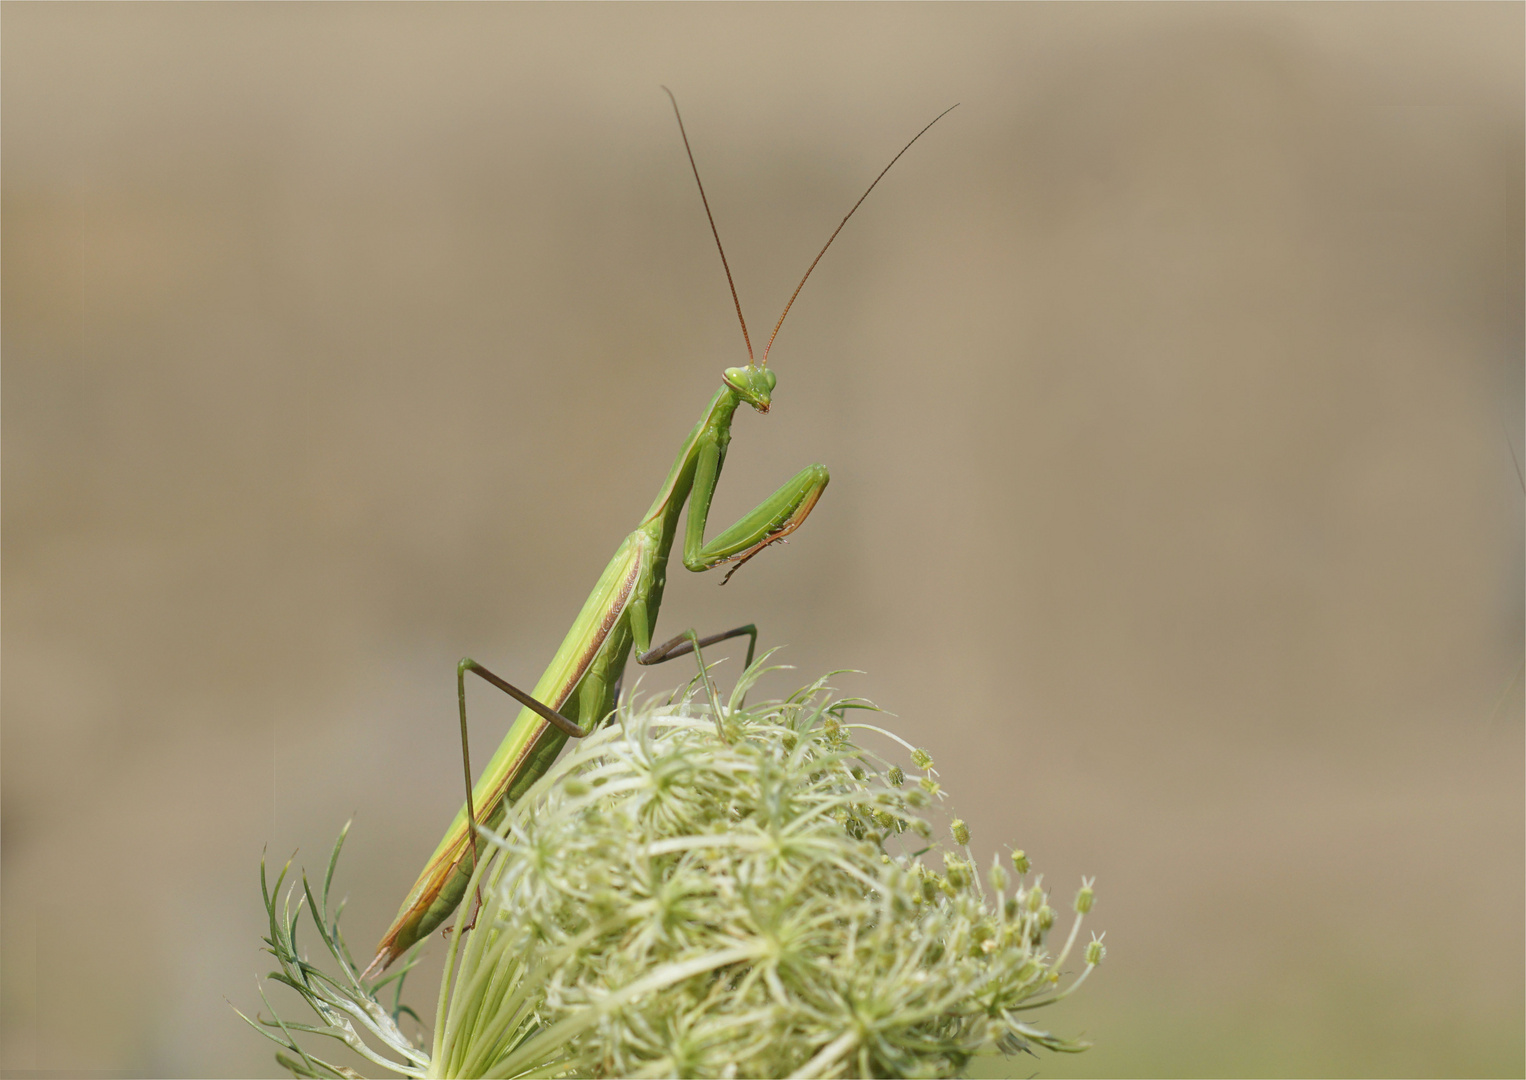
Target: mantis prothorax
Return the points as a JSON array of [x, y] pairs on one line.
[[578, 690]]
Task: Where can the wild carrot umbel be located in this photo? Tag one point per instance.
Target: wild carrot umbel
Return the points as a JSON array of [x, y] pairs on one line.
[[753, 894]]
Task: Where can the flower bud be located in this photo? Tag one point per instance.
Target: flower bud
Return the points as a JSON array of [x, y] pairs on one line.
[[958, 872], [896, 777], [1020, 861], [921, 759], [999, 879], [575, 787], [1084, 897], [1095, 951], [1046, 917], [961, 832], [929, 785]]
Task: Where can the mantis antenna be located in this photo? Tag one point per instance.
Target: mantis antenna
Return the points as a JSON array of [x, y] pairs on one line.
[[843, 222], [714, 231]]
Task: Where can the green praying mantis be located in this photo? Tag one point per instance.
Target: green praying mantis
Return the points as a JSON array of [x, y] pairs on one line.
[[580, 687]]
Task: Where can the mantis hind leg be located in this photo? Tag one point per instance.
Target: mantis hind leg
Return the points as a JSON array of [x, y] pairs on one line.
[[556, 719]]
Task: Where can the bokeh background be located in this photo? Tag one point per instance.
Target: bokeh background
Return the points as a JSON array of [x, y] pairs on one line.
[[1170, 388]]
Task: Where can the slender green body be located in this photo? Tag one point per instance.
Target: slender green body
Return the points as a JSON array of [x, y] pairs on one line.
[[619, 614]]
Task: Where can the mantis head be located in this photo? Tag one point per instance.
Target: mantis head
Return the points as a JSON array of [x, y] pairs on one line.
[[754, 384]]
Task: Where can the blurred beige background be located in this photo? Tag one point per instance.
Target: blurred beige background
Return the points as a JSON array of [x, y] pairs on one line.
[[1169, 387]]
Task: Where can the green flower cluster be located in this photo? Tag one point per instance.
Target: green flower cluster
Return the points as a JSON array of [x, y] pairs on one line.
[[682, 895], [681, 898]]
